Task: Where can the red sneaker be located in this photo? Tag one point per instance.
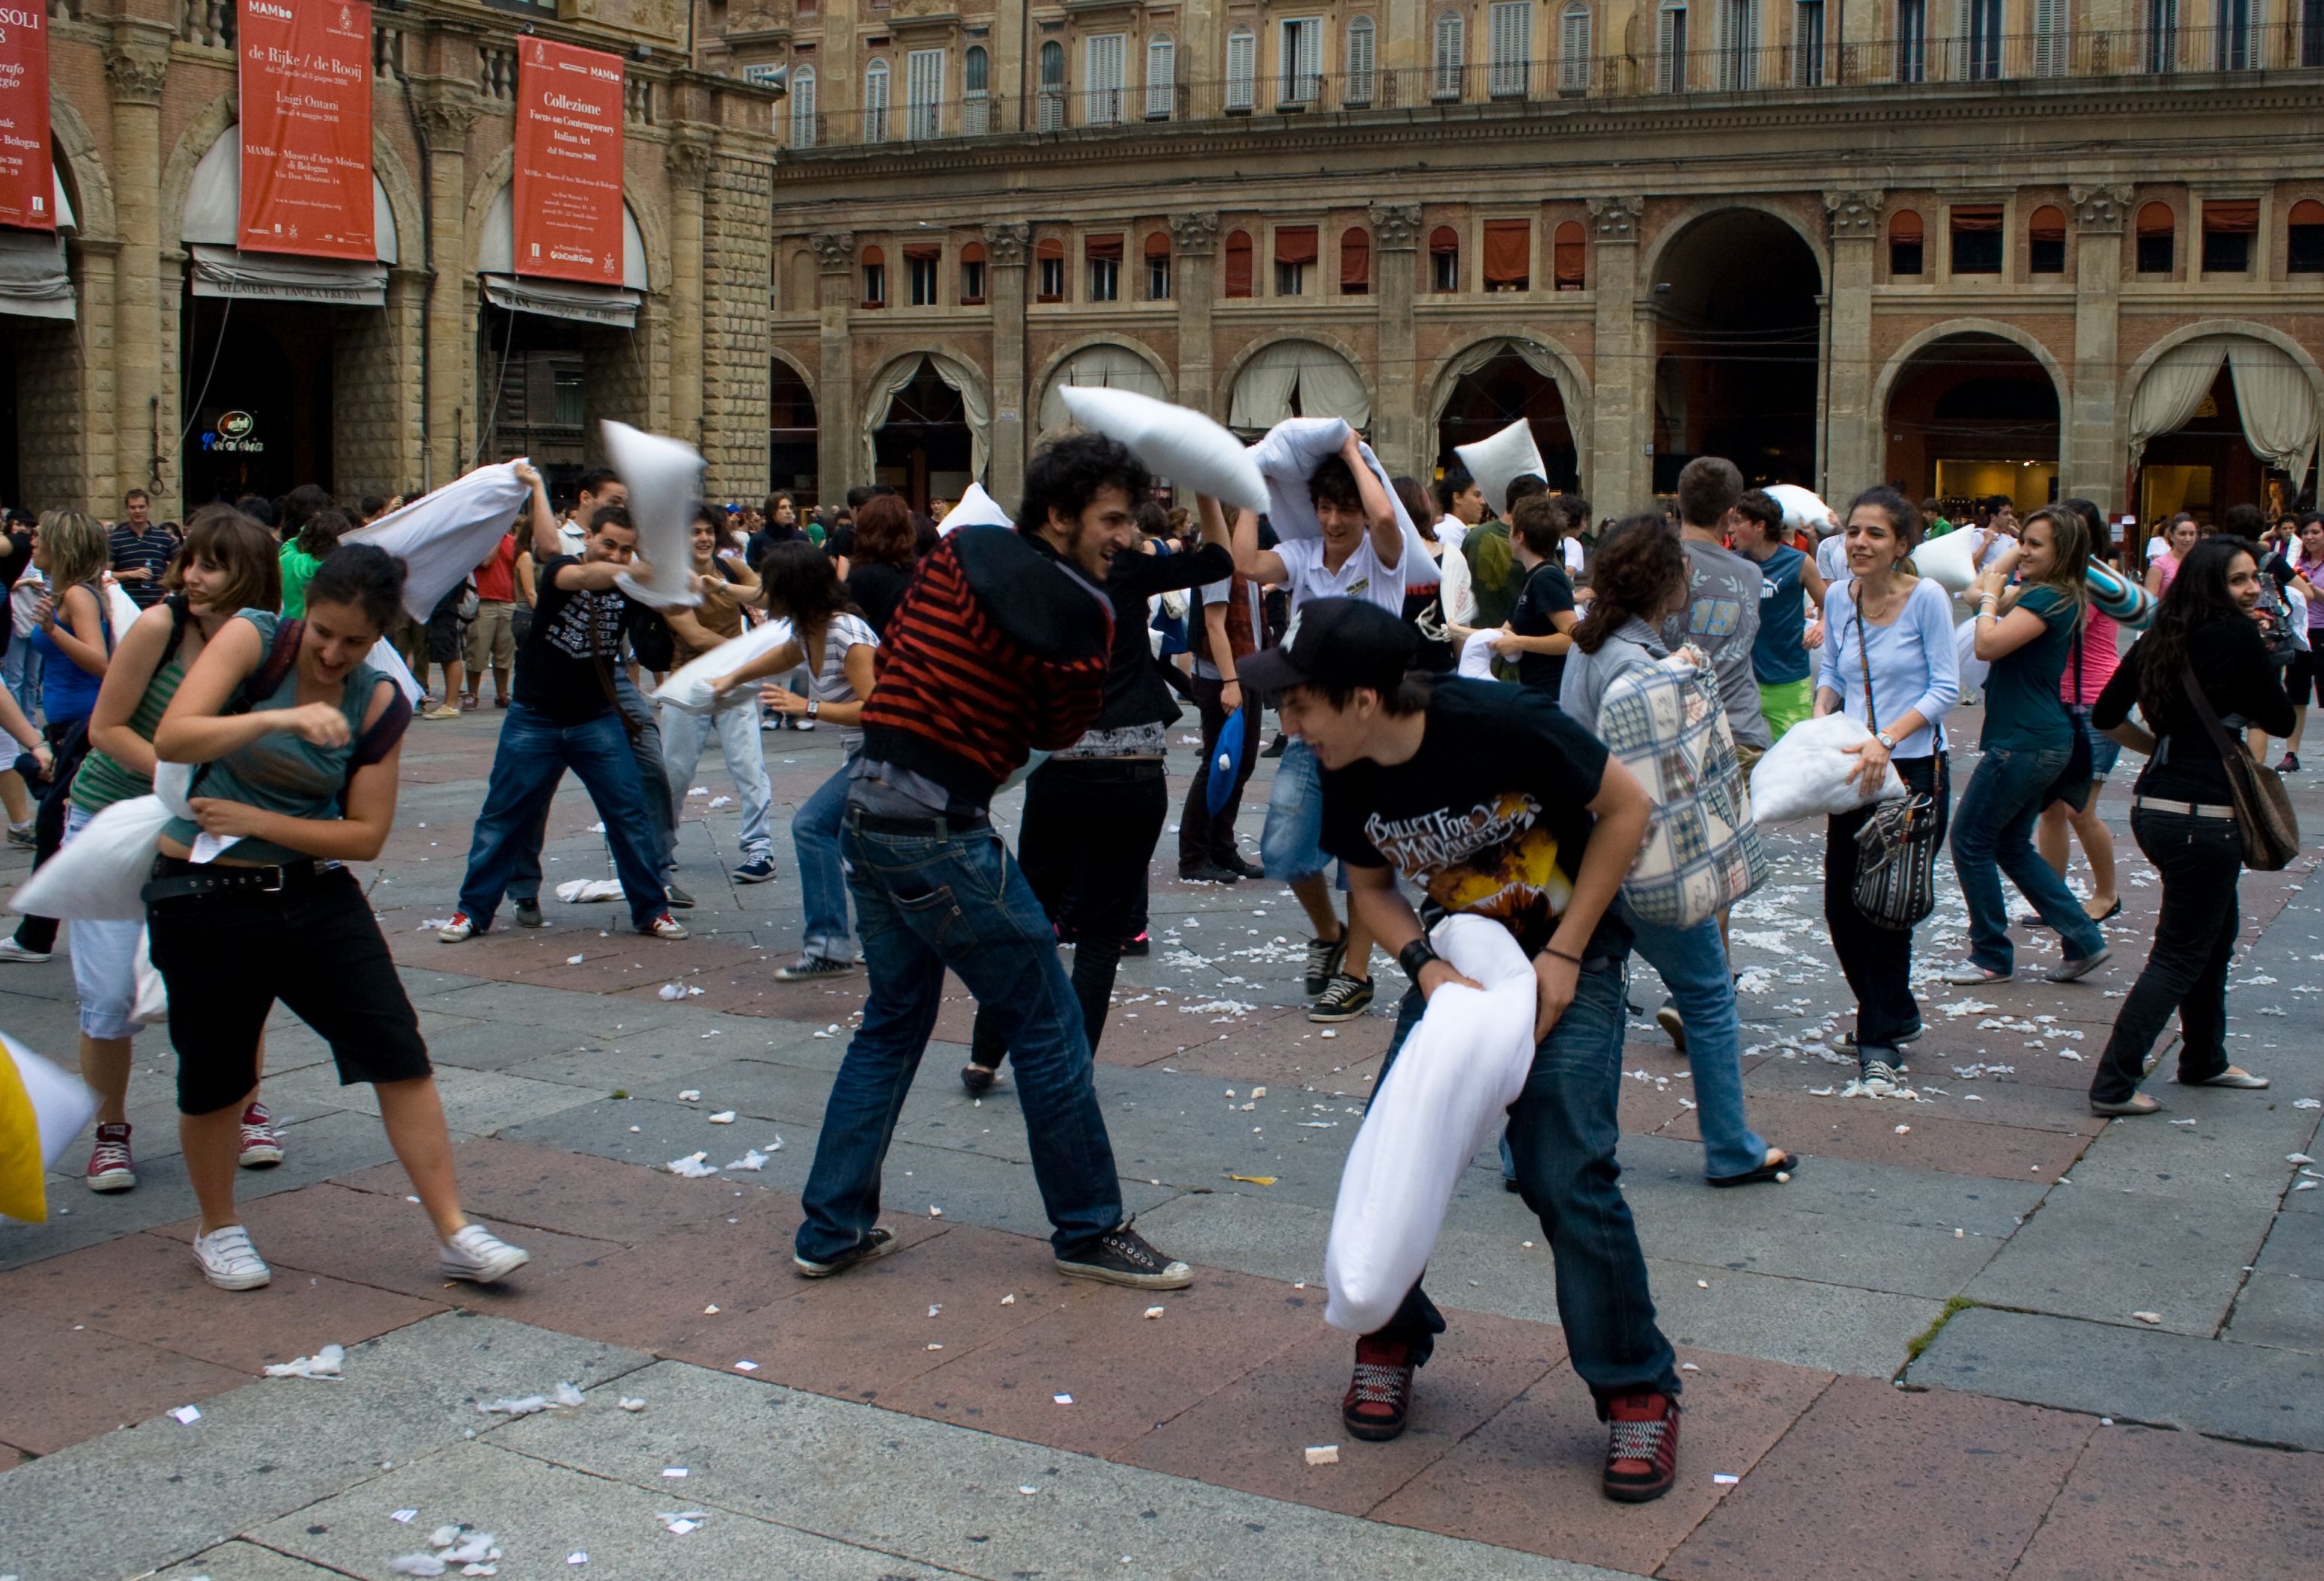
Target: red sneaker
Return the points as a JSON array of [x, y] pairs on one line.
[[1642, 1448], [110, 1168], [262, 1144], [1380, 1395]]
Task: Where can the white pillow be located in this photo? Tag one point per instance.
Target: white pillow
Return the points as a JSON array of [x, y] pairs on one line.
[[976, 508], [1804, 509], [1286, 457], [1948, 561], [61, 1102], [443, 536], [97, 876], [1186, 446], [1498, 462], [1809, 774], [689, 689], [664, 479], [1973, 669]]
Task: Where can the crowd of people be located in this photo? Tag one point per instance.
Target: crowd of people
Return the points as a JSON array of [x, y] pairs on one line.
[[1440, 665]]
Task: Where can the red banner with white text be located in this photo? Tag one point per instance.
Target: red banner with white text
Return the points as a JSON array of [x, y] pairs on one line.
[[27, 186], [306, 128], [568, 162]]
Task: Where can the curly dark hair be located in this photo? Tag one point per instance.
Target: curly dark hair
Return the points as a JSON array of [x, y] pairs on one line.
[[363, 576], [1334, 480], [1066, 476], [883, 533], [803, 585], [1640, 561], [2197, 596]]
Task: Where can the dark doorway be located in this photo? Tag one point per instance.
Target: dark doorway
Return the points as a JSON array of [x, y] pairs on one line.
[[924, 448], [1487, 400], [1973, 416], [257, 396], [1737, 327], [791, 434]]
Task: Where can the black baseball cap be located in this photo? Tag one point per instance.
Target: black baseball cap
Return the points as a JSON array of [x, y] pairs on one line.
[[1341, 643]]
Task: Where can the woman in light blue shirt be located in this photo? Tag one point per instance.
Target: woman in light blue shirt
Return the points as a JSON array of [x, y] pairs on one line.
[[1891, 632]]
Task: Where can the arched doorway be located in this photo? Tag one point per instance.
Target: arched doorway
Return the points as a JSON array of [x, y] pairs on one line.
[[1497, 383], [1736, 329], [925, 429], [1971, 416], [2220, 420], [1297, 378], [1104, 365], [792, 433]]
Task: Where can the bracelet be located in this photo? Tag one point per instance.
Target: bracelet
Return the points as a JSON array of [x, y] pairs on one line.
[[1413, 957], [1553, 950]]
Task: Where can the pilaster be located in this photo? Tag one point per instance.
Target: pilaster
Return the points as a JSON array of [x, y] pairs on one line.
[[1396, 420], [1621, 471], [136, 65], [1852, 455], [1193, 246], [2092, 466], [1008, 247], [689, 162], [446, 111], [835, 447]]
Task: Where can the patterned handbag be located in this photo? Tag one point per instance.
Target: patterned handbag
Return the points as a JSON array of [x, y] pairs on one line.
[[1701, 853], [1897, 845]]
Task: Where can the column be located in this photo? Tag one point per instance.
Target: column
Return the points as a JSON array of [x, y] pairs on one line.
[[1194, 244], [837, 449], [1853, 455], [1621, 426], [1398, 421], [1007, 248], [135, 65], [2094, 437], [446, 111], [688, 160]]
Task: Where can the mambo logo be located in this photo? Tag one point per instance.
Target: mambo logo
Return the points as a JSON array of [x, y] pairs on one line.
[[263, 8], [236, 425]]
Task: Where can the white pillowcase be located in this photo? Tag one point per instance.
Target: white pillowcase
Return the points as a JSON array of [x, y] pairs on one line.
[[1186, 446], [1950, 562], [1809, 774], [664, 479], [443, 536], [1499, 461], [974, 508], [1804, 509], [689, 689], [1288, 457], [97, 877]]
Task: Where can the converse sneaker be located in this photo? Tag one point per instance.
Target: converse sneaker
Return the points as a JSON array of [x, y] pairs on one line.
[[262, 1144], [1123, 1257], [1641, 1447], [1379, 1399], [1344, 999], [877, 1242], [809, 968], [229, 1260], [1672, 1023], [458, 930], [1324, 956], [756, 870], [527, 912], [1878, 1077], [479, 1256], [10, 950], [110, 1166], [665, 927]]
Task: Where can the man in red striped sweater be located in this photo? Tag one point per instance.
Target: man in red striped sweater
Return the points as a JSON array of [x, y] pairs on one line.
[[999, 649]]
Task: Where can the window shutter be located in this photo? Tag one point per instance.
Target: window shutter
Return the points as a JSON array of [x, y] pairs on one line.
[[1238, 271], [1446, 83], [1161, 78], [1103, 55], [1309, 63], [1670, 49], [803, 116], [1242, 68], [1511, 45], [1573, 49], [924, 73], [2049, 41], [1361, 62], [875, 102]]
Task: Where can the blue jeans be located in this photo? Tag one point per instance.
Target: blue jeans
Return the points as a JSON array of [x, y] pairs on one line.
[[822, 888], [927, 903], [20, 670], [1692, 962], [1562, 1130], [736, 726], [660, 830], [533, 754], [1993, 833]]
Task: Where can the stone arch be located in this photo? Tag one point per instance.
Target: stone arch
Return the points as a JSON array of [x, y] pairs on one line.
[[2204, 328], [92, 186], [957, 368], [1574, 386], [210, 123], [1314, 336], [1055, 363], [1650, 265], [403, 202], [805, 373], [500, 171], [1895, 369]]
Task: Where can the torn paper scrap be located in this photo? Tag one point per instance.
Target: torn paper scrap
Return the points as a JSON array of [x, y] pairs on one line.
[[567, 1394], [693, 1166], [324, 1362], [1322, 1454], [527, 1406]]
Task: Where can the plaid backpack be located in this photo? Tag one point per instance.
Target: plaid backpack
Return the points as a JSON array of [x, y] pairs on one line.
[[1701, 853]]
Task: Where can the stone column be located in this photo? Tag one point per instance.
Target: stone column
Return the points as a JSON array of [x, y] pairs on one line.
[[1853, 454], [136, 64], [446, 111], [688, 159], [1194, 244], [1007, 248], [1621, 423], [1398, 421], [2094, 434], [836, 446]]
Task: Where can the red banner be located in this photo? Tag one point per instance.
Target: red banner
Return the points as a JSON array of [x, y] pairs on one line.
[[568, 162], [27, 184], [306, 128]]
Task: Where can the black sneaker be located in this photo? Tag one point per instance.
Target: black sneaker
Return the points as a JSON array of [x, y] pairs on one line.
[[1878, 1077], [1668, 1018], [1140, 946], [1324, 958], [1379, 1401], [676, 899], [1276, 750], [1344, 999], [876, 1243], [1208, 872], [1242, 865], [809, 968], [1123, 1257], [1846, 1041], [528, 913]]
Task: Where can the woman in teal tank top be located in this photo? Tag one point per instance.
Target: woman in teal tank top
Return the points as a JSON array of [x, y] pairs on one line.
[[298, 742]]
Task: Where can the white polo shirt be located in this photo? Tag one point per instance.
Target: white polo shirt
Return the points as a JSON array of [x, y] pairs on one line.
[[1360, 576]]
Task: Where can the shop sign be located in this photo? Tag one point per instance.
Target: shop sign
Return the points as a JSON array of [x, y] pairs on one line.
[[234, 434]]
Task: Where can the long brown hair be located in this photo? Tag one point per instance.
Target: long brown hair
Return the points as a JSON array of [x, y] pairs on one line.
[[1639, 562], [2069, 558], [241, 548]]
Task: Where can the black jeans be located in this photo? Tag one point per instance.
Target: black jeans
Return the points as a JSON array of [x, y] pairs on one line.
[[1201, 836], [2200, 860], [69, 743], [1878, 961], [1088, 832]]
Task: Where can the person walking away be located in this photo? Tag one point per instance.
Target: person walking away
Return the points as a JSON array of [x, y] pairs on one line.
[[443, 648], [2183, 814], [719, 619], [2027, 635], [1888, 655], [2303, 679], [1490, 801], [139, 549], [998, 648], [1230, 620], [1789, 585], [2092, 665], [300, 741], [879, 565], [491, 635], [300, 555]]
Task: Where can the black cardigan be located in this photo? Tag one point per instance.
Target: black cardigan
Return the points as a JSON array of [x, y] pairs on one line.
[[2230, 660]]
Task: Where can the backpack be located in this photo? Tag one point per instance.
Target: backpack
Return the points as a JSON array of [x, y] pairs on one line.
[[1702, 852]]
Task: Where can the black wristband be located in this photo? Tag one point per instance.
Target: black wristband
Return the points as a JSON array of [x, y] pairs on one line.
[[1414, 956]]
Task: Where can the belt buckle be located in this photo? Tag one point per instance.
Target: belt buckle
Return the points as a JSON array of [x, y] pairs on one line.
[[276, 887]]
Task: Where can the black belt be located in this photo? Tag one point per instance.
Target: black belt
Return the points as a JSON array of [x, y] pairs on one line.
[[174, 878], [934, 826]]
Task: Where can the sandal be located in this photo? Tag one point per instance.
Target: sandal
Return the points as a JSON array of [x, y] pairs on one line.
[[977, 1079], [1783, 1165], [2136, 1103]]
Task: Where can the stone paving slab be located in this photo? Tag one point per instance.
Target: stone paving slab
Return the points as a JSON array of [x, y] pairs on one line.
[[244, 1561], [2107, 1254]]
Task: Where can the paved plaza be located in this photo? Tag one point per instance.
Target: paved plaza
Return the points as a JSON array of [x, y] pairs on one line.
[[1980, 1333]]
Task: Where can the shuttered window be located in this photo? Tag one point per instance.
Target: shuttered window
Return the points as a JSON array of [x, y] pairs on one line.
[[1362, 62], [875, 102], [804, 123], [1243, 68], [1161, 78], [1302, 62], [924, 75], [1510, 74], [1445, 57], [1573, 49], [1101, 60]]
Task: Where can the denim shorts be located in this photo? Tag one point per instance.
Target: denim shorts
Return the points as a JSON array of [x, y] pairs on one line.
[[2105, 750], [104, 962], [1290, 847]]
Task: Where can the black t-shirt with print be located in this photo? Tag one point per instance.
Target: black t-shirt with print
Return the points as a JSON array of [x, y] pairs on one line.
[[1547, 593], [1490, 817], [565, 668]]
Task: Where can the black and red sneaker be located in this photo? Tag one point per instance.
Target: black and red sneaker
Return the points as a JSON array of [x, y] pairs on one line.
[[1379, 1396], [1642, 1447]]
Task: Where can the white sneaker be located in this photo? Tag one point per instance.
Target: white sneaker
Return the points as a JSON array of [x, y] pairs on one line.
[[10, 950], [458, 930], [665, 927], [479, 1256], [229, 1260]]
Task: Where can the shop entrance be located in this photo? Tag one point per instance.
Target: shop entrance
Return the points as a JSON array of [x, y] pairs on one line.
[[257, 394]]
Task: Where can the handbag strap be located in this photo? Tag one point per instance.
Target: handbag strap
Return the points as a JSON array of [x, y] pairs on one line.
[[2231, 755], [1864, 661]]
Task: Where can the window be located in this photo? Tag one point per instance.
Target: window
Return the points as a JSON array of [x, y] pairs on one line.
[[1049, 266], [2051, 42], [1508, 255], [1912, 40], [2045, 241], [924, 75], [2227, 232], [875, 102], [568, 390], [1103, 255], [1977, 239], [976, 100], [1807, 43], [1161, 78], [2233, 48], [1301, 63], [2162, 36], [1157, 267], [1051, 115], [1510, 74], [875, 277], [1355, 262], [2303, 248], [1573, 49], [1445, 57], [1239, 263], [1101, 60], [972, 275], [1243, 70], [1980, 39], [1738, 45], [2156, 228], [1670, 47], [1295, 254], [1905, 238], [805, 122], [1363, 57], [920, 265], [1568, 253], [1444, 259]]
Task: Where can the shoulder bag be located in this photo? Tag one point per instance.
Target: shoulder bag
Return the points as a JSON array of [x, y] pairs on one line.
[[2072, 786], [1702, 852], [2263, 814], [1896, 844]]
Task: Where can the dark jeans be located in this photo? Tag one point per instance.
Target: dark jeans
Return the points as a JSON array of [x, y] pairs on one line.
[[925, 902], [1994, 835], [1562, 1130], [1086, 844], [1201, 836], [69, 743], [661, 829], [1878, 961], [533, 754], [2200, 860]]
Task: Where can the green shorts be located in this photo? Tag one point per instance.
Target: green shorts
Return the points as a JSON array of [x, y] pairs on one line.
[[1785, 703]]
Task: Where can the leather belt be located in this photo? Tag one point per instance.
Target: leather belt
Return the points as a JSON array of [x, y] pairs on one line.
[[934, 826], [2181, 808], [175, 879]]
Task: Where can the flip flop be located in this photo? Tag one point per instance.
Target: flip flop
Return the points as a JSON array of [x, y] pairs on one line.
[[1782, 1166]]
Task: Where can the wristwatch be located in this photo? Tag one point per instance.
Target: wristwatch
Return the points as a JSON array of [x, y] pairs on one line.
[[814, 707], [1414, 956], [1886, 741]]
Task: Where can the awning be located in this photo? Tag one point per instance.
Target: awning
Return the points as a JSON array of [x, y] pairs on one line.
[[34, 283], [613, 306], [282, 277]]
